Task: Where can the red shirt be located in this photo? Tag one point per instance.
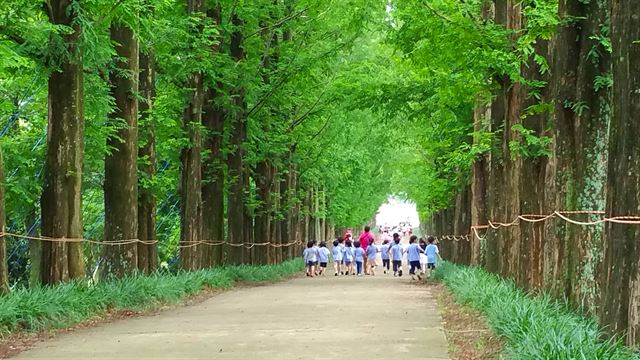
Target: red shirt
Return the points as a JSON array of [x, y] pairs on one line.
[[365, 239]]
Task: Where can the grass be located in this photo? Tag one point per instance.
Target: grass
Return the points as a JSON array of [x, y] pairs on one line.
[[533, 327], [72, 303]]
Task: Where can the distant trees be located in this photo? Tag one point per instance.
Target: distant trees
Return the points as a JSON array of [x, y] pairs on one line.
[[204, 123]]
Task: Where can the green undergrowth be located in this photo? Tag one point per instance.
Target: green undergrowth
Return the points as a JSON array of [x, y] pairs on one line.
[[533, 327], [72, 303]]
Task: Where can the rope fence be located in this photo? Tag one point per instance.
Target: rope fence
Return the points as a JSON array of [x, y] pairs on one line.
[[536, 218], [182, 244]]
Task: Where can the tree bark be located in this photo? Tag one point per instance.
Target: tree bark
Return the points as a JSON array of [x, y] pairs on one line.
[[532, 186], [61, 196], [264, 181], [621, 275], [306, 209], [514, 99], [495, 191], [479, 210], [147, 253], [213, 168], [291, 206], [213, 185], [462, 224], [317, 225], [191, 159], [4, 270], [235, 162], [35, 248], [582, 114], [121, 173], [278, 226], [503, 245]]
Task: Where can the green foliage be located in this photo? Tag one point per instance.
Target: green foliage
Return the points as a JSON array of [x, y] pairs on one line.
[[68, 304], [361, 98], [529, 145], [533, 327]]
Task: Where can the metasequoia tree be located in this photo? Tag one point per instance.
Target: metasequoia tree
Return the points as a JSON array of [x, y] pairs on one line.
[[213, 167], [191, 158], [621, 274], [235, 163], [4, 271], [147, 253], [121, 163], [61, 197], [582, 111]]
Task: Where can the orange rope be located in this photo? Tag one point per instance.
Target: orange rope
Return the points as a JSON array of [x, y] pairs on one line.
[[182, 244], [536, 218]]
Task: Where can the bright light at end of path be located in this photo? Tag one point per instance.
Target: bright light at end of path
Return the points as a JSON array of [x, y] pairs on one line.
[[397, 210]]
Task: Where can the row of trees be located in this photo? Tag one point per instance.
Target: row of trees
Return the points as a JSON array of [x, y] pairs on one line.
[[182, 122], [550, 124]]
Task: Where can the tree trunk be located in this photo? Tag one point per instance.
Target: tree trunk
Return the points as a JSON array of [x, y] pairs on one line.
[[147, 253], [462, 224], [61, 195], [278, 227], [479, 185], [582, 114], [235, 162], [495, 191], [264, 181], [317, 214], [35, 248], [213, 168], [213, 185], [191, 159], [306, 209], [191, 181], [121, 173], [515, 97], [4, 270], [291, 206], [532, 185], [503, 194], [621, 275], [249, 216]]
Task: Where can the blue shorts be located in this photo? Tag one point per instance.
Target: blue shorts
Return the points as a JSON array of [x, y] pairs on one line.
[[414, 265]]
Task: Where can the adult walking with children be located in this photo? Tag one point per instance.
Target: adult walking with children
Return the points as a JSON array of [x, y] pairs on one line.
[[366, 238]]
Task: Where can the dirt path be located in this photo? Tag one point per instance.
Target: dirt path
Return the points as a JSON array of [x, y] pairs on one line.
[[379, 317]]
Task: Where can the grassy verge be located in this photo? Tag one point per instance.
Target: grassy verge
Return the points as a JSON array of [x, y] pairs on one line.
[[533, 327], [468, 333], [72, 303]]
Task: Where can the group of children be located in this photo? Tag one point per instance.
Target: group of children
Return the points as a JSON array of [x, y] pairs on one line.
[[349, 257]]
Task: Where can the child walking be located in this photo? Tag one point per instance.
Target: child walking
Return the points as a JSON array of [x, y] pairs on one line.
[[396, 255], [413, 256], [337, 255], [423, 256], [317, 249], [348, 257], [384, 254], [358, 254], [433, 254], [323, 257], [310, 259], [372, 252]]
